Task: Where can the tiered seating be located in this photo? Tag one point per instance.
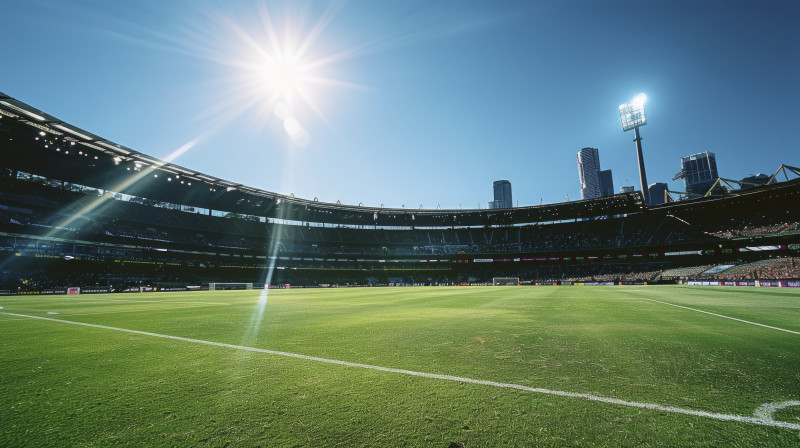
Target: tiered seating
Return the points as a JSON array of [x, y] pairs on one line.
[[685, 272], [771, 268]]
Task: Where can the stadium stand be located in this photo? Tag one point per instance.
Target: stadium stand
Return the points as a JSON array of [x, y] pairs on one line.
[[772, 268], [78, 210], [686, 272]]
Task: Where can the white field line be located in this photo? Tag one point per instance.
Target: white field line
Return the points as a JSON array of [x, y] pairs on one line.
[[758, 420], [766, 411], [87, 299], [726, 317]]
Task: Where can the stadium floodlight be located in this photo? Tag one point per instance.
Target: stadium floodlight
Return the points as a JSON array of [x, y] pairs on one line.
[[72, 131], [632, 116]]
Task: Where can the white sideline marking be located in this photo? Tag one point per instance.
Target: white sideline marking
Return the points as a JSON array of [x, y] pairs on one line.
[[766, 411], [145, 301], [761, 418], [726, 317]]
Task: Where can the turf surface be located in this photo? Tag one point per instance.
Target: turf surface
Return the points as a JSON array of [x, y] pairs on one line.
[[70, 385]]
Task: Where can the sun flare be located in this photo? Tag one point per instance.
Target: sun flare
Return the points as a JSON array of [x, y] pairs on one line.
[[285, 76], [280, 72]]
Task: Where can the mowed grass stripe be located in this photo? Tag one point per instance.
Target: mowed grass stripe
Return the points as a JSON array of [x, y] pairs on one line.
[[761, 420], [726, 317], [778, 307]]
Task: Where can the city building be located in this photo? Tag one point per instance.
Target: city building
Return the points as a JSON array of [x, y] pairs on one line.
[[699, 173], [594, 182], [606, 183], [502, 194], [754, 181], [589, 172], [627, 189], [658, 193]]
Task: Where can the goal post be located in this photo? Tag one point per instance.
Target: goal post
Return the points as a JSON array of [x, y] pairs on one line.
[[505, 281], [229, 286]]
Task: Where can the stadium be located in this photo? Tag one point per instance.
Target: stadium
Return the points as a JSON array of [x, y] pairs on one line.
[[82, 211], [240, 224], [175, 308]]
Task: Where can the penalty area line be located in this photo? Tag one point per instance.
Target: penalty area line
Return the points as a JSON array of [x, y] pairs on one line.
[[726, 317], [757, 420]]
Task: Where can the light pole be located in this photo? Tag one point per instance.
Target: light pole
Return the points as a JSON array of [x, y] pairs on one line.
[[632, 116]]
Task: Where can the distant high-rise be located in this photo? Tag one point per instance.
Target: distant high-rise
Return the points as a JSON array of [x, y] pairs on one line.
[[502, 195], [589, 172], [594, 182], [606, 183], [658, 193], [627, 189], [699, 172]]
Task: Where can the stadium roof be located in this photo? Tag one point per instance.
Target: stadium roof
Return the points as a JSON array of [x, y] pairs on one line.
[[41, 144], [38, 143]]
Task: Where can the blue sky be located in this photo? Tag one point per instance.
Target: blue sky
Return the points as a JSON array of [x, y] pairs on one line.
[[416, 102]]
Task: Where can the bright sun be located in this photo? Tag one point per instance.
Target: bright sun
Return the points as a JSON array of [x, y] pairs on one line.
[[284, 76], [278, 72]]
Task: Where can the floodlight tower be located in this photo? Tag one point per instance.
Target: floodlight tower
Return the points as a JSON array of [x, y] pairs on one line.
[[632, 116]]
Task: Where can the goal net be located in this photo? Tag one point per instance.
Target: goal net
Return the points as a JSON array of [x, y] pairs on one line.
[[505, 281], [229, 286]]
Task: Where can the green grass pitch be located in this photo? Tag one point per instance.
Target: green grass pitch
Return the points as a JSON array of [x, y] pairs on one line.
[[63, 384]]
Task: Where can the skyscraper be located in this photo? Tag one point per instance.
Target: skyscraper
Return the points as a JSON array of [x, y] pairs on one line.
[[594, 183], [502, 195], [699, 172], [606, 183]]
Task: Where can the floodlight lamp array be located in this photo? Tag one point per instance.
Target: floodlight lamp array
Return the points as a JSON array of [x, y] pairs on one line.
[[632, 114]]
